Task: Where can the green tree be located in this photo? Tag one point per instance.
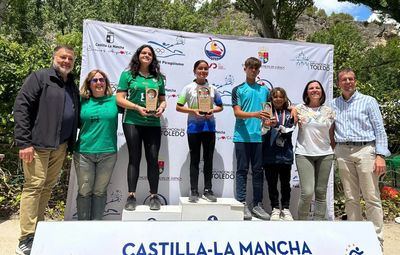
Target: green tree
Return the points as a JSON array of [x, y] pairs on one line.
[[347, 40], [16, 61], [335, 18], [182, 15], [379, 74], [277, 18], [377, 69], [390, 7], [230, 21]]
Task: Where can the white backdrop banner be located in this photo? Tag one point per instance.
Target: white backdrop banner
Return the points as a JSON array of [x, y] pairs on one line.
[[286, 64]]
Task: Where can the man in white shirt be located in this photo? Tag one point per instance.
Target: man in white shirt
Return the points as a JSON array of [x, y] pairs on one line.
[[361, 148]]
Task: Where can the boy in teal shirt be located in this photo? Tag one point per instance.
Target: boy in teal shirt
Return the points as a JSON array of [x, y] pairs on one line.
[[247, 101]]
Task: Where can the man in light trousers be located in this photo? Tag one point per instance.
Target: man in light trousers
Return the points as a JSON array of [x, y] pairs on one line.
[[46, 113], [361, 148]]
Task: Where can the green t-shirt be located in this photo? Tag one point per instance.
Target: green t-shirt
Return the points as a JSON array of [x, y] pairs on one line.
[[98, 127], [136, 89]]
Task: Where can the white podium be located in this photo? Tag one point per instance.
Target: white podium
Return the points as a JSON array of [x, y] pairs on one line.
[[143, 213], [225, 209]]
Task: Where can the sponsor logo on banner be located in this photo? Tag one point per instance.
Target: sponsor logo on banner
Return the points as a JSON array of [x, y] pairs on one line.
[[108, 46], [171, 247], [166, 50], [170, 93], [163, 171], [163, 178], [214, 49], [174, 132], [163, 199], [225, 89], [114, 86], [111, 208], [222, 136], [265, 82], [112, 204], [352, 249], [212, 218], [223, 175], [161, 166], [216, 66], [263, 55], [295, 181], [110, 37], [303, 61]]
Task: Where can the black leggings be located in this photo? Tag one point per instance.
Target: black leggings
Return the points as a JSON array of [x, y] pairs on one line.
[[272, 173], [151, 137], [207, 139]]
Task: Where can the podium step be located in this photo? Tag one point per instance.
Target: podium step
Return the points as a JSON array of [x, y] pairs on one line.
[[225, 209], [143, 213]]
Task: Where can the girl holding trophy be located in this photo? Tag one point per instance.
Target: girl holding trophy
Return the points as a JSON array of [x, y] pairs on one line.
[[141, 92], [202, 101]]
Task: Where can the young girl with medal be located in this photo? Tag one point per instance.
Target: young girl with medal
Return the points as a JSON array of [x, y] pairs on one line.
[[137, 89], [278, 153], [202, 101]]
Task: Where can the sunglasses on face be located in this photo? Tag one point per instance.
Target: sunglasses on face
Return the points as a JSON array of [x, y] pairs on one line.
[[95, 80]]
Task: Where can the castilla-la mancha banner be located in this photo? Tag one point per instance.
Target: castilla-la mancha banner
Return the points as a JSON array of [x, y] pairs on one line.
[[286, 64]]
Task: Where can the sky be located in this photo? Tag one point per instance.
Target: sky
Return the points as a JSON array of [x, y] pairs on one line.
[[359, 12]]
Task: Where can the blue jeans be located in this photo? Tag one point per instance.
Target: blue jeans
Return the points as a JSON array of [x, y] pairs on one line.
[[247, 153], [93, 172]]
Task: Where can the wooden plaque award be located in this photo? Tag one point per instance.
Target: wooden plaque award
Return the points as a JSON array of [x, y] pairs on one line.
[[151, 100], [204, 99]]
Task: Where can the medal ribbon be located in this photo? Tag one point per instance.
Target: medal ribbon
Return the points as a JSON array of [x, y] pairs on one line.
[[283, 118]]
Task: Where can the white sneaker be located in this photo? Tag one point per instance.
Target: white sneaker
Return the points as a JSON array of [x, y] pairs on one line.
[[276, 214], [287, 215]]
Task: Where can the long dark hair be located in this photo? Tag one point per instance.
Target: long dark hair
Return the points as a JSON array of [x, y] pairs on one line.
[[197, 63], [154, 67], [273, 92], [306, 99]]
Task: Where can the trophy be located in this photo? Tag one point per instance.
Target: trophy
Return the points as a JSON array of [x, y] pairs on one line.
[[266, 107], [204, 99], [151, 100]]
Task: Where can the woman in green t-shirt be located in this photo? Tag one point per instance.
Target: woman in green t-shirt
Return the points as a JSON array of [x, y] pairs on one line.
[[96, 149], [137, 86]]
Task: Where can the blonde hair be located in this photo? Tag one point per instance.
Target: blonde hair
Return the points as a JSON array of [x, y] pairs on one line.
[[85, 89]]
